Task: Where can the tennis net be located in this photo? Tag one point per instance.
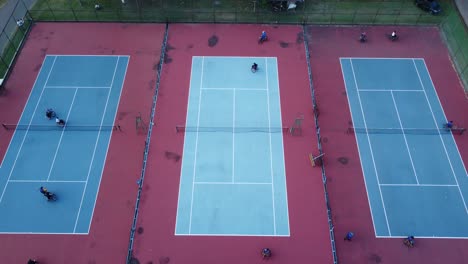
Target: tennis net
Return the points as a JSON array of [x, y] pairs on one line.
[[416, 131], [59, 128], [232, 129]]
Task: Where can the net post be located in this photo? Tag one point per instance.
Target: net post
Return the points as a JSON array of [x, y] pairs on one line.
[[4, 126]]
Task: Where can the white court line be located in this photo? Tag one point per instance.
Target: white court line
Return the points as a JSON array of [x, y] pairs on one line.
[[233, 88], [196, 145], [282, 143], [95, 147], [231, 183], [359, 151], [22, 113], [26, 181], [183, 148], [425, 237], [77, 87], [417, 185], [110, 137], [233, 134], [440, 136], [271, 152], [228, 235], [391, 90], [61, 135], [443, 113], [404, 137], [370, 148], [86, 55], [376, 58], [26, 133], [233, 57], [40, 233]]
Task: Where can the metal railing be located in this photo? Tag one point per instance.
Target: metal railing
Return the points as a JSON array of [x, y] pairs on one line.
[[147, 144]]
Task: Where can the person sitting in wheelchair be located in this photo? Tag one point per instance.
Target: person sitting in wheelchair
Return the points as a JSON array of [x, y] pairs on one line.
[[254, 67], [50, 113], [363, 37]]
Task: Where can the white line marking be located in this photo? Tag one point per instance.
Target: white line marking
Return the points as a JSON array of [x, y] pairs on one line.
[[391, 90], [95, 147], [26, 181], [40, 233], [240, 89], [282, 142], [271, 152], [445, 117], [231, 183], [61, 135], [359, 151], [228, 235], [108, 142], [233, 57], [87, 55], [233, 134], [77, 87], [24, 108], [417, 185], [425, 237], [26, 133], [440, 136], [404, 137], [183, 148], [376, 58], [196, 146], [370, 148]]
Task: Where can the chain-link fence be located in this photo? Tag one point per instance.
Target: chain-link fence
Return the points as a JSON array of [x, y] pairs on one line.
[[12, 35], [456, 36], [373, 12], [235, 11]]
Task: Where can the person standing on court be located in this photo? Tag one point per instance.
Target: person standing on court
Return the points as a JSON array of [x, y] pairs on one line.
[[266, 253], [349, 236]]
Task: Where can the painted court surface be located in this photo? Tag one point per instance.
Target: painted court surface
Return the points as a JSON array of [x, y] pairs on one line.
[[224, 178], [84, 91], [408, 159], [233, 151], [352, 179]]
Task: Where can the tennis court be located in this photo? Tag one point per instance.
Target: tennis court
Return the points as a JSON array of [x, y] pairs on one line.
[[233, 151], [416, 181], [68, 161]]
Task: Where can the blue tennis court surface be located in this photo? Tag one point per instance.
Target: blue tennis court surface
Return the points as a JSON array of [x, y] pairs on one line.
[[84, 91], [415, 178], [233, 173]]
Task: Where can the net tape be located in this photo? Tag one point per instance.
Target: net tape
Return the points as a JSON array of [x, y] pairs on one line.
[[416, 131], [59, 128], [233, 129]]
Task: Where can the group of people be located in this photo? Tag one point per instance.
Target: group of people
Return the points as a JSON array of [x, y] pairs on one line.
[[50, 113], [393, 36]]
